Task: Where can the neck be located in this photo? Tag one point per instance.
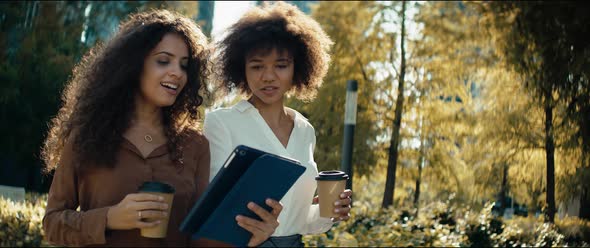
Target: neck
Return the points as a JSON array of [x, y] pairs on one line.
[[147, 115], [274, 114]]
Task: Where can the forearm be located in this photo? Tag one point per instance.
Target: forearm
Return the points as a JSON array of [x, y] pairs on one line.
[[75, 228]]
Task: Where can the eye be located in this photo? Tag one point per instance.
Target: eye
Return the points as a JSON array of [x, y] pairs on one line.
[[163, 62], [282, 66], [256, 67], [184, 66]]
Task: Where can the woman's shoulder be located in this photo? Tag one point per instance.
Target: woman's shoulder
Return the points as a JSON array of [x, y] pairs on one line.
[[300, 120], [231, 114], [196, 139], [239, 107]]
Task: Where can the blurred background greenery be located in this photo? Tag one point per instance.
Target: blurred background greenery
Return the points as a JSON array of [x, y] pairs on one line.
[[462, 104]]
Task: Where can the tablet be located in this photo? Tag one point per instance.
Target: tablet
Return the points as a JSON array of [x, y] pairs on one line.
[[248, 175]]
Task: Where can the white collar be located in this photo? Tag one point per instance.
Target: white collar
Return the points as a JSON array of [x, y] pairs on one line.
[[244, 105]]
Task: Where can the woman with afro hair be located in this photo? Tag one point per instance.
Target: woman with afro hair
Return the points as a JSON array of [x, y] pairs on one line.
[[272, 52], [129, 115]]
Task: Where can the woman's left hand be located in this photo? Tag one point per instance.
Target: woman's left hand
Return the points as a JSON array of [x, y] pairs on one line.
[[342, 206]]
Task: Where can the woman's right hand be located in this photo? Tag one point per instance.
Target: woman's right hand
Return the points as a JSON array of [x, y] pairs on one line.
[[261, 230], [133, 210]]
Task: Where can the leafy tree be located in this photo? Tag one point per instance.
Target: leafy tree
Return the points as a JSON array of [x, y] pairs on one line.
[[451, 57], [37, 57], [347, 24], [547, 47]]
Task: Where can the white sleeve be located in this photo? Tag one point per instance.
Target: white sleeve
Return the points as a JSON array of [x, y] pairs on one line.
[[316, 224], [219, 142]]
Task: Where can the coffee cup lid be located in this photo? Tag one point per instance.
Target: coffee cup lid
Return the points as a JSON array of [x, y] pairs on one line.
[[156, 187], [333, 175]]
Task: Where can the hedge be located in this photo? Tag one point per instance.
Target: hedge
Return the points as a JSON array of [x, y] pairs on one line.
[[438, 224]]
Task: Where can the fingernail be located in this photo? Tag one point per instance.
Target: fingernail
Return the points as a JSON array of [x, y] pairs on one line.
[[238, 217], [336, 210], [337, 203], [160, 198], [342, 195]]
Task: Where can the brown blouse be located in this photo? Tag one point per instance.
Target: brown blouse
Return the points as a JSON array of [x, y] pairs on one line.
[[98, 188]]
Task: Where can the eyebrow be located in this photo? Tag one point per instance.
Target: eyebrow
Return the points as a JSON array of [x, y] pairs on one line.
[[260, 60], [169, 54]]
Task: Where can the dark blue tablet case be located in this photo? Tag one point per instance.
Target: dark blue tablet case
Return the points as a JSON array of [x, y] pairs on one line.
[[248, 175]]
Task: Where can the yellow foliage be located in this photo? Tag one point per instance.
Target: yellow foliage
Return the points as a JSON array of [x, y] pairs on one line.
[[21, 222]]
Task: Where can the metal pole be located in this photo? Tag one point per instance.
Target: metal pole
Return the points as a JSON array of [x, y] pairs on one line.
[[349, 124]]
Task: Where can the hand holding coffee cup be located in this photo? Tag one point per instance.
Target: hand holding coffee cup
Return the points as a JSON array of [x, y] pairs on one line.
[[343, 206], [334, 200], [162, 191], [126, 214]]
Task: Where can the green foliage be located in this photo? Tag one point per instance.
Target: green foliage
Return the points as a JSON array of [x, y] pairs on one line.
[[37, 58]]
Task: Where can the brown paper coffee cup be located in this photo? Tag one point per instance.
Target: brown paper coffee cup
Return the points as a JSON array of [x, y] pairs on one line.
[[166, 191], [330, 185]]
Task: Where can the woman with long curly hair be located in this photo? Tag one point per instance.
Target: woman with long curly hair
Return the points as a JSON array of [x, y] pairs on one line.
[[273, 52], [129, 116]]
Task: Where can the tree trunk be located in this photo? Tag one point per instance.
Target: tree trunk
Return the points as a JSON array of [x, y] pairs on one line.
[[585, 194], [550, 152], [584, 204], [399, 104], [421, 159], [418, 181], [503, 188]]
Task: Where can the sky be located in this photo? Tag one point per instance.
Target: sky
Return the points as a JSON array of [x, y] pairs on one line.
[[226, 13]]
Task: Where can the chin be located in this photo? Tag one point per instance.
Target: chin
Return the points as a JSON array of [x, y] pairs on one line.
[[269, 101], [166, 103]]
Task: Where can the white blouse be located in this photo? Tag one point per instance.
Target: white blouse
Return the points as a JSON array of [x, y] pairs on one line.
[[242, 124]]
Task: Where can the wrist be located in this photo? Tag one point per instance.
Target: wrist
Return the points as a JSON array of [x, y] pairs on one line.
[[108, 225]]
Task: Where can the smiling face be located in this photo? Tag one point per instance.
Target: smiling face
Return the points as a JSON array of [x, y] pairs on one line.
[[269, 75], [164, 71]]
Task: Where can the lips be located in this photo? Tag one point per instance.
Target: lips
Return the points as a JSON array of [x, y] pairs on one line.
[[170, 87], [269, 90]]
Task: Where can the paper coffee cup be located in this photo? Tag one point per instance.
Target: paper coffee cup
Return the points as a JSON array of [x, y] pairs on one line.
[[166, 191], [330, 185]]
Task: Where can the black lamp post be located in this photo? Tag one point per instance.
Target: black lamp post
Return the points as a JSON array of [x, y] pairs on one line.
[[349, 124]]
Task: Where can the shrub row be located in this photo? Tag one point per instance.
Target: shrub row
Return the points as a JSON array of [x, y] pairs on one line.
[[443, 225], [438, 224], [21, 222]]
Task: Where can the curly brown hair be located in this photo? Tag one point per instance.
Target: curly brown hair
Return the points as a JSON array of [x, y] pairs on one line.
[[98, 100], [281, 26]]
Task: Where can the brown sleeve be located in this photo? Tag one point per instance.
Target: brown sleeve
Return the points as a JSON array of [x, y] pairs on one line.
[[202, 177], [203, 167], [63, 225]]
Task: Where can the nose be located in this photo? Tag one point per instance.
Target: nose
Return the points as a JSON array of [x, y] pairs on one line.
[[175, 72], [268, 75]]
